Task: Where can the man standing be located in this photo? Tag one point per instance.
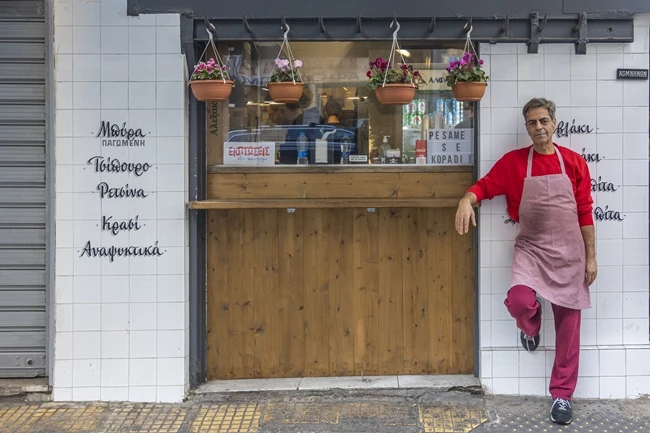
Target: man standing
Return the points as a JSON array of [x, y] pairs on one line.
[[548, 192]]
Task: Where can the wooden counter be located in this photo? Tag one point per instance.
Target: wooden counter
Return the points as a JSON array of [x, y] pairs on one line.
[[365, 275]]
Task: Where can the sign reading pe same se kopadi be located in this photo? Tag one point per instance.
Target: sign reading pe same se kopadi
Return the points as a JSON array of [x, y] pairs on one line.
[[450, 146]]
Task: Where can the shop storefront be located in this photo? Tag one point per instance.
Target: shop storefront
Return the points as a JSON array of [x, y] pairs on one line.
[[197, 242]]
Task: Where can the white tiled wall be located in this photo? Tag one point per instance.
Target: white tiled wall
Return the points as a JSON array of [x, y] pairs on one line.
[[121, 327], [615, 335]]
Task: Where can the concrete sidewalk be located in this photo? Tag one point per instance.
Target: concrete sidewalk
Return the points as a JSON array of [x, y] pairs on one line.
[[376, 411]]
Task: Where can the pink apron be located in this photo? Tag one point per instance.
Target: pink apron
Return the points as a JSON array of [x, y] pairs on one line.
[[549, 248]]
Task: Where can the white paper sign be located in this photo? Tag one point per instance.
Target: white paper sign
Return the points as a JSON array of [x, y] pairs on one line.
[[450, 146], [249, 153]]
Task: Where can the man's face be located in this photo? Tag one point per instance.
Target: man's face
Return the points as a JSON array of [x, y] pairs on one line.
[[540, 126]]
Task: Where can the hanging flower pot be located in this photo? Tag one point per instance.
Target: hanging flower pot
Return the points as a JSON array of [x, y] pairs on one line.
[[466, 78], [469, 90], [210, 80], [212, 90], [285, 84], [393, 86], [286, 91], [395, 94]]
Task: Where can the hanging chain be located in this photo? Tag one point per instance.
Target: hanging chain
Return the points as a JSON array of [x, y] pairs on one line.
[[224, 71], [391, 57], [291, 58]]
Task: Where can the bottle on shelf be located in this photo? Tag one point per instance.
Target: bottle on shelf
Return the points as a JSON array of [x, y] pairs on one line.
[[302, 146], [383, 150], [346, 147]]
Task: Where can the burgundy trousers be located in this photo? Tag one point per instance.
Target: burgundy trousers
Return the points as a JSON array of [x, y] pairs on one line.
[[524, 308]]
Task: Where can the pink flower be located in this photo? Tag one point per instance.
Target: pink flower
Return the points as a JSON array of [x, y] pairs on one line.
[[297, 64], [368, 74], [480, 62], [282, 64]]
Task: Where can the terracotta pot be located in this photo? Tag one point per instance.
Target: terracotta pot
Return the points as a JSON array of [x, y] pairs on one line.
[[211, 90], [286, 92], [469, 91], [395, 94]]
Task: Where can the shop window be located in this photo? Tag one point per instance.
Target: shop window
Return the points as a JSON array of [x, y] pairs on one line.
[[337, 109]]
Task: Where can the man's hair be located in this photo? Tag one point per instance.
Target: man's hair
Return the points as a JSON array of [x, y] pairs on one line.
[[540, 103]]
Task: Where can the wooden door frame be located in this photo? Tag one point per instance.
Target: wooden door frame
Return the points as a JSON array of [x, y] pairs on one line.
[[197, 172]]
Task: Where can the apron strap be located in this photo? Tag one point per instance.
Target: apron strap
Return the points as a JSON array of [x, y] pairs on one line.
[[529, 166]]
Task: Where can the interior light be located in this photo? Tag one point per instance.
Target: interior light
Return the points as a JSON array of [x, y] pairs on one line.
[[405, 53]]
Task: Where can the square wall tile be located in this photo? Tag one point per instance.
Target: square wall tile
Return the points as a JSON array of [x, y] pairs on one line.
[[609, 305], [612, 363], [86, 40], [635, 119], [64, 318], [504, 334], [87, 290], [635, 93], [505, 93], [170, 95], [640, 44], [589, 363], [115, 394], [532, 364], [505, 386], [169, 67], [635, 305], [635, 198], [168, 40], [63, 39], [142, 372], [532, 386], [558, 92], [114, 67], [142, 40], [610, 120], [612, 387], [143, 316], [114, 14], [635, 251], [63, 374], [115, 317], [114, 40], [87, 317], [115, 344], [143, 344], [86, 394], [607, 65], [610, 93], [86, 12], [63, 346], [583, 67], [142, 67], [86, 95], [635, 278], [86, 345], [635, 331], [637, 386], [503, 67], [86, 372], [171, 372], [587, 387], [584, 94], [557, 67], [115, 372], [530, 67], [170, 394], [610, 332], [171, 316], [143, 394], [637, 362], [114, 96], [171, 344]]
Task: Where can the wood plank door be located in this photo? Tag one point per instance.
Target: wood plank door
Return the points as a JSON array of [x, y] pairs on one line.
[[337, 292]]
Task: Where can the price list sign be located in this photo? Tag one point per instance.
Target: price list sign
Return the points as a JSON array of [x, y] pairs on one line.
[[450, 146]]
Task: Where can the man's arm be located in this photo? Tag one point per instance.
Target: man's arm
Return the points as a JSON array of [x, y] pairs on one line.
[[465, 213], [589, 237]]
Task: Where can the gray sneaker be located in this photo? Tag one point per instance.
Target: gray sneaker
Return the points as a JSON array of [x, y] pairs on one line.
[[531, 343]]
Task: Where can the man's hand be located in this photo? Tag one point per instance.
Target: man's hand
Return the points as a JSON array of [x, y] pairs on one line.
[[591, 271], [465, 213]]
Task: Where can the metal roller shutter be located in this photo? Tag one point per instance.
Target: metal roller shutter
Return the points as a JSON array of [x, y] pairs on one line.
[[22, 188]]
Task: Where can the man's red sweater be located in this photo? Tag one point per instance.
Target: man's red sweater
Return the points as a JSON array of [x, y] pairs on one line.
[[507, 177]]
